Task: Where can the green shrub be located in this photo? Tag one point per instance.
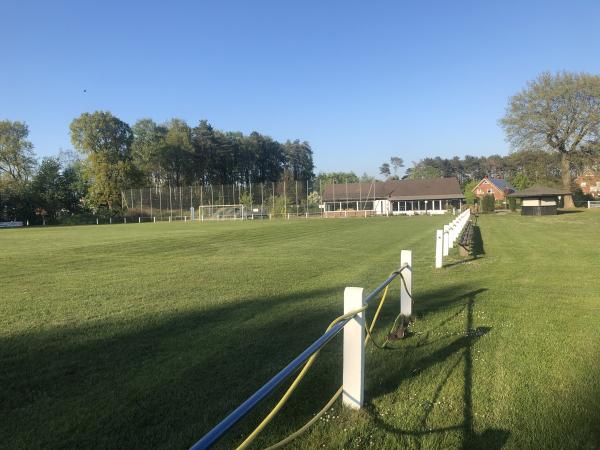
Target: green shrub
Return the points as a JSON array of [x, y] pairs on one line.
[[488, 203], [512, 203]]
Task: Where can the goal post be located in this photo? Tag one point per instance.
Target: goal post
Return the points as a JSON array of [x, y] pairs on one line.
[[221, 212]]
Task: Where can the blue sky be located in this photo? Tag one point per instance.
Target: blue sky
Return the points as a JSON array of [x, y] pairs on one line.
[[361, 81]]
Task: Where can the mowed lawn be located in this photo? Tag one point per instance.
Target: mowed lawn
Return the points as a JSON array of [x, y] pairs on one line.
[[146, 335]]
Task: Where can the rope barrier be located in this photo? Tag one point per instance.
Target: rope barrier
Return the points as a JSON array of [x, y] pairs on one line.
[[252, 436]]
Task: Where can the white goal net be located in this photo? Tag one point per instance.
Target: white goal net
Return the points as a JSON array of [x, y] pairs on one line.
[[221, 212]]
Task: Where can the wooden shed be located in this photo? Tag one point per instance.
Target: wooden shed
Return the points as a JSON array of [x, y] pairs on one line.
[[539, 200]]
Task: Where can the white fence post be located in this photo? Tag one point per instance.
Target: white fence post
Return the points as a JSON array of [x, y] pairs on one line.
[[406, 286], [446, 237], [439, 236], [354, 350]]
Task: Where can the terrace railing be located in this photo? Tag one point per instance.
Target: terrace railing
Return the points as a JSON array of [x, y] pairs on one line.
[[353, 323]]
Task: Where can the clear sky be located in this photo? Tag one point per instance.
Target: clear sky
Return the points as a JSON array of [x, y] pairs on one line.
[[361, 81]]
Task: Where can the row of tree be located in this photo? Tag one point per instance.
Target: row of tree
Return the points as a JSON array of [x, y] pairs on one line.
[[553, 125], [112, 156]]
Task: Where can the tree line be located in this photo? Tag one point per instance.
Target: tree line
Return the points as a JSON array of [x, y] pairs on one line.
[[113, 156], [553, 126]]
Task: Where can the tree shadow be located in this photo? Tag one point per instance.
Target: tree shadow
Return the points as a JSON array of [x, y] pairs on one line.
[[462, 346]]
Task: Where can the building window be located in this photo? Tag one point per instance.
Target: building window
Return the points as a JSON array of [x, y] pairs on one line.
[[490, 191]]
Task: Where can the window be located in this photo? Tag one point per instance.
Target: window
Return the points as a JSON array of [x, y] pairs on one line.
[[490, 191]]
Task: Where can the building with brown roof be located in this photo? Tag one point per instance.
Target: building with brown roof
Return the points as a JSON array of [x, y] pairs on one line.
[[539, 200], [397, 197]]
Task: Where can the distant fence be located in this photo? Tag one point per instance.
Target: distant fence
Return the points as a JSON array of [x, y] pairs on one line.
[[593, 204], [353, 322], [294, 198], [445, 238]]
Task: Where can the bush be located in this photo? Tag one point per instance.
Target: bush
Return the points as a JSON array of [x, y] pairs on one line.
[[488, 203], [512, 203]]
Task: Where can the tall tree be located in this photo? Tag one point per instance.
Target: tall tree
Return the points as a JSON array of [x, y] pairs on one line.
[[177, 153], [106, 142], [51, 189], [148, 142], [384, 170], [397, 163], [299, 159], [16, 152], [558, 113]]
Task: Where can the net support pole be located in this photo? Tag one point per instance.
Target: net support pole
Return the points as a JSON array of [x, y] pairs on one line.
[[406, 302], [354, 350], [439, 237], [446, 244]]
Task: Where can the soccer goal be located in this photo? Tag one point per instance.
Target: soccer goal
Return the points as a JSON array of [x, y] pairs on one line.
[[221, 212]]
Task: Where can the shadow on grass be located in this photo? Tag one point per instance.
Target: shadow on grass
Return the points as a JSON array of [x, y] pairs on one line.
[[462, 346], [569, 211], [477, 249], [152, 382], [164, 381]]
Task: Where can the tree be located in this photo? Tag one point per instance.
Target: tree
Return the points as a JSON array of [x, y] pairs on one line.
[[299, 159], [325, 178], [397, 163], [558, 113], [422, 171], [106, 142], [16, 152], [384, 170], [468, 191], [176, 155], [50, 189], [148, 143], [366, 178], [520, 181], [488, 203]]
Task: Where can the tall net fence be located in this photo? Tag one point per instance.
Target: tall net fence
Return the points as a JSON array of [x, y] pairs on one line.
[[263, 200]]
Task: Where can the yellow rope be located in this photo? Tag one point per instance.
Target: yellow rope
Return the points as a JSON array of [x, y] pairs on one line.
[[299, 378]]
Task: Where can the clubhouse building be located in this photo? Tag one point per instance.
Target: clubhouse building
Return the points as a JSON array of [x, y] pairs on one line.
[[393, 197]]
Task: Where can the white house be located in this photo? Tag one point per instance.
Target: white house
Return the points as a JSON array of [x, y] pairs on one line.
[[394, 197]]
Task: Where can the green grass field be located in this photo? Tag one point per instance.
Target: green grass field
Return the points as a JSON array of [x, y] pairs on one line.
[[145, 336]]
